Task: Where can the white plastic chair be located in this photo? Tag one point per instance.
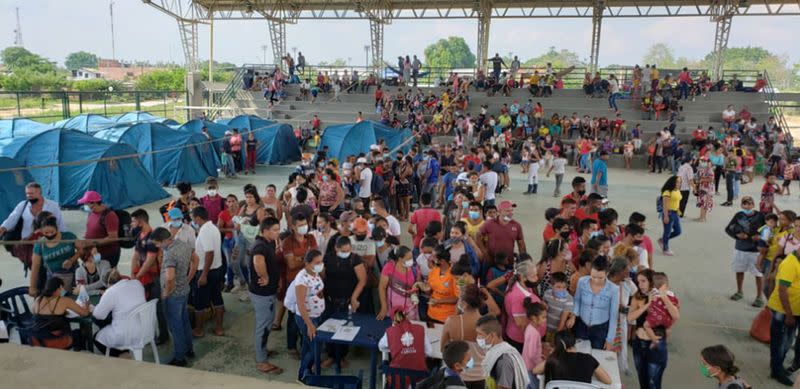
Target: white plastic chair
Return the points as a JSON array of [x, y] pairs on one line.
[[139, 329], [562, 384]]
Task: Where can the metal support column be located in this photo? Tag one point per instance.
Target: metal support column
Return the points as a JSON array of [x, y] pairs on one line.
[[277, 36], [189, 41], [722, 13], [484, 24], [376, 36], [597, 23]]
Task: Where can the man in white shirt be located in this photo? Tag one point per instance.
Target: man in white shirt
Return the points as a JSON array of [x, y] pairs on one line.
[[488, 178], [121, 297], [208, 247], [364, 174], [379, 208], [33, 204]]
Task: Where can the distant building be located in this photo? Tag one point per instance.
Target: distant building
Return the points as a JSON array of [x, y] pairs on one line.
[[86, 74], [113, 70]]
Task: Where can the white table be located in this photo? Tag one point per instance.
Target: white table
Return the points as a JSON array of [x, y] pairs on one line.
[[607, 360], [434, 336]]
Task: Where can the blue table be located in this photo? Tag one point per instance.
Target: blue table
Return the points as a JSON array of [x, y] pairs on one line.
[[370, 333]]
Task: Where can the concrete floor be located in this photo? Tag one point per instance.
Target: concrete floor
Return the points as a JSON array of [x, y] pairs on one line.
[[699, 275]]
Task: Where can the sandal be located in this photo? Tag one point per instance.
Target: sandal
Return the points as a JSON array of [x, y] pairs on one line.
[[267, 368], [737, 296]]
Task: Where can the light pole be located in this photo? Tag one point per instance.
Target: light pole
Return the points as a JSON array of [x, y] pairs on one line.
[[366, 56], [264, 49]]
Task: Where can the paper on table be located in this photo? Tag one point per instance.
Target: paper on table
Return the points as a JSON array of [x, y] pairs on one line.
[[346, 333], [331, 325]]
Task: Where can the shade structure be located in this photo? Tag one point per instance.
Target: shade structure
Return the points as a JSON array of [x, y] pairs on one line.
[[355, 138], [67, 163], [141, 117], [170, 156], [87, 122], [276, 141], [13, 189], [19, 127]]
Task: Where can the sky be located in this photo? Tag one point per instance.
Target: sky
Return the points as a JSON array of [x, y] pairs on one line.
[[55, 28]]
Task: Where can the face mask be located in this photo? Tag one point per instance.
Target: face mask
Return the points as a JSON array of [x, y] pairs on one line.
[[97, 258], [748, 211], [33, 201], [87, 208], [474, 215], [637, 242], [370, 226], [343, 255], [195, 226], [324, 178], [564, 234], [361, 237], [319, 267], [704, 371], [595, 234], [506, 218], [372, 210], [63, 292], [464, 204], [50, 237], [176, 224], [212, 192], [482, 343], [408, 263], [560, 294], [379, 243], [581, 192], [530, 285], [302, 230], [470, 363]]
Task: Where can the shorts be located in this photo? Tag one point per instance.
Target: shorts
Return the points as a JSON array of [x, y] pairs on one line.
[[786, 183], [745, 262]]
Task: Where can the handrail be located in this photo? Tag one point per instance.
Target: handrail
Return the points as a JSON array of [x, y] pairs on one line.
[[775, 108], [229, 94]]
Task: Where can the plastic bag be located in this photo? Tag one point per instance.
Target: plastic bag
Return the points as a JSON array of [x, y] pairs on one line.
[[83, 296]]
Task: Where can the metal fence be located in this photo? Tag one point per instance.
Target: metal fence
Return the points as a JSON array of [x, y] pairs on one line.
[[47, 107]]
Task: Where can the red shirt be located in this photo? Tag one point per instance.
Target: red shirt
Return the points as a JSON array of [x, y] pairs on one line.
[[581, 215], [500, 237], [226, 221], [378, 94], [471, 158], [548, 232], [95, 230], [572, 195], [420, 219], [315, 123], [214, 205]]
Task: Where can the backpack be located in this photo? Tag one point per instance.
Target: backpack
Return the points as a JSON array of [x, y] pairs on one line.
[[434, 381], [124, 230], [377, 184]]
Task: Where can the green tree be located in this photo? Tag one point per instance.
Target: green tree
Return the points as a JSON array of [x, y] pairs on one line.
[[29, 80], [781, 72], [661, 55], [167, 79], [80, 59], [19, 58], [449, 53], [559, 58]]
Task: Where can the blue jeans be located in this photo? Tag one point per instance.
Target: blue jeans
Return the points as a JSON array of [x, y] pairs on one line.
[[177, 315], [684, 90], [596, 334], [264, 307], [585, 162], [306, 348], [737, 180], [671, 229], [612, 101], [780, 339], [650, 362]]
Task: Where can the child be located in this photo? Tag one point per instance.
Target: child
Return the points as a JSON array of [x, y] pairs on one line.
[[559, 165], [532, 349], [533, 174], [457, 358], [766, 233], [767, 203], [559, 305], [425, 258], [500, 272], [658, 319]]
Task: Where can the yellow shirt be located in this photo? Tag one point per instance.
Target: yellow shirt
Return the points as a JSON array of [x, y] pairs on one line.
[[775, 246], [472, 230], [534, 80], [673, 200], [654, 74], [788, 275]]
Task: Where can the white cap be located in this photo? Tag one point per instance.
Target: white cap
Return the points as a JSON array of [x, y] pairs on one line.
[[375, 148], [361, 160]]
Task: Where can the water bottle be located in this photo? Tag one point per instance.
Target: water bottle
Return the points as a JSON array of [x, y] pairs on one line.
[[349, 314]]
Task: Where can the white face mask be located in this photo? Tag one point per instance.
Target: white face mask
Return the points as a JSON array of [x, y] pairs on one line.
[[507, 218], [319, 267], [482, 343], [409, 263], [302, 230], [97, 258], [343, 255], [212, 192]]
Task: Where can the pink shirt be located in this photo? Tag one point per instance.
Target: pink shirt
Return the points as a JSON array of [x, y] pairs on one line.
[[514, 307], [532, 350]]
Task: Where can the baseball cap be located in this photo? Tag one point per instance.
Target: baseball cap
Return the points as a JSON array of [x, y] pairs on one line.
[[361, 160], [505, 204], [346, 217], [90, 197], [175, 214], [360, 226]]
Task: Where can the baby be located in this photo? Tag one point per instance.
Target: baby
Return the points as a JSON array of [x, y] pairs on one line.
[[658, 318]]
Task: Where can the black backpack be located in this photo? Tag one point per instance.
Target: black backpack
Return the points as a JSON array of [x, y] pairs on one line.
[[377, 184], [124, 230]]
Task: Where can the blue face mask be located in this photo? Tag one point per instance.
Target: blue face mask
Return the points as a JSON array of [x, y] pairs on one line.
[[176, 224], [63, 292], [474, 215], [195, 226], [594, 234], [87, 208], [470, 363], [560, 294], [748, 211]]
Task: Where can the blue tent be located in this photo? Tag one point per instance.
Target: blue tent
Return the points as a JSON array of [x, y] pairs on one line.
[[216, 130], [141, 117], [10, 128], [245, 122], [87, 122], [169, 156], [13, 189], [277, 144], [82, 162], [352, 139]]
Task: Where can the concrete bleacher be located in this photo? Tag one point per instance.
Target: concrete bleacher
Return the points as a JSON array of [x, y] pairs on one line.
[[704, 112]]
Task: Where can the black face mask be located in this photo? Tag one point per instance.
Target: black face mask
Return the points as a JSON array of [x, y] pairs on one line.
[[565, 234], [531, 285], [581, 192], [33, 200], [637, 242], [50, 237]]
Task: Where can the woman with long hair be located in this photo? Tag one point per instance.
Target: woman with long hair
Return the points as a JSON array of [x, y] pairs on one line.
[[566, 363], [50, 325], [57, 257], [555, 259], [396, 288], [705, 188], [718, 362], [650, 362], [670, 206], [462, 326]]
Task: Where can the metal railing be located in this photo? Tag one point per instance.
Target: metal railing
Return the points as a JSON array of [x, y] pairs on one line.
[[776, 107], [49, 107], [227, 96]]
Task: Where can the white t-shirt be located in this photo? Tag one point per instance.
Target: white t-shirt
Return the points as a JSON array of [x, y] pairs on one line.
[[314, 286], [394, 226], [422, 262], [490, 180], [366, 183], [614, 86], [209, 239], [364, 248], [559, 165]]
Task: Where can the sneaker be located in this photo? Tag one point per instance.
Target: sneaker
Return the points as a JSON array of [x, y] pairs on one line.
[[737, 296], [661, 244], [668, 253], [782, 379], [238, 288], [758, 303], [191, 354]]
